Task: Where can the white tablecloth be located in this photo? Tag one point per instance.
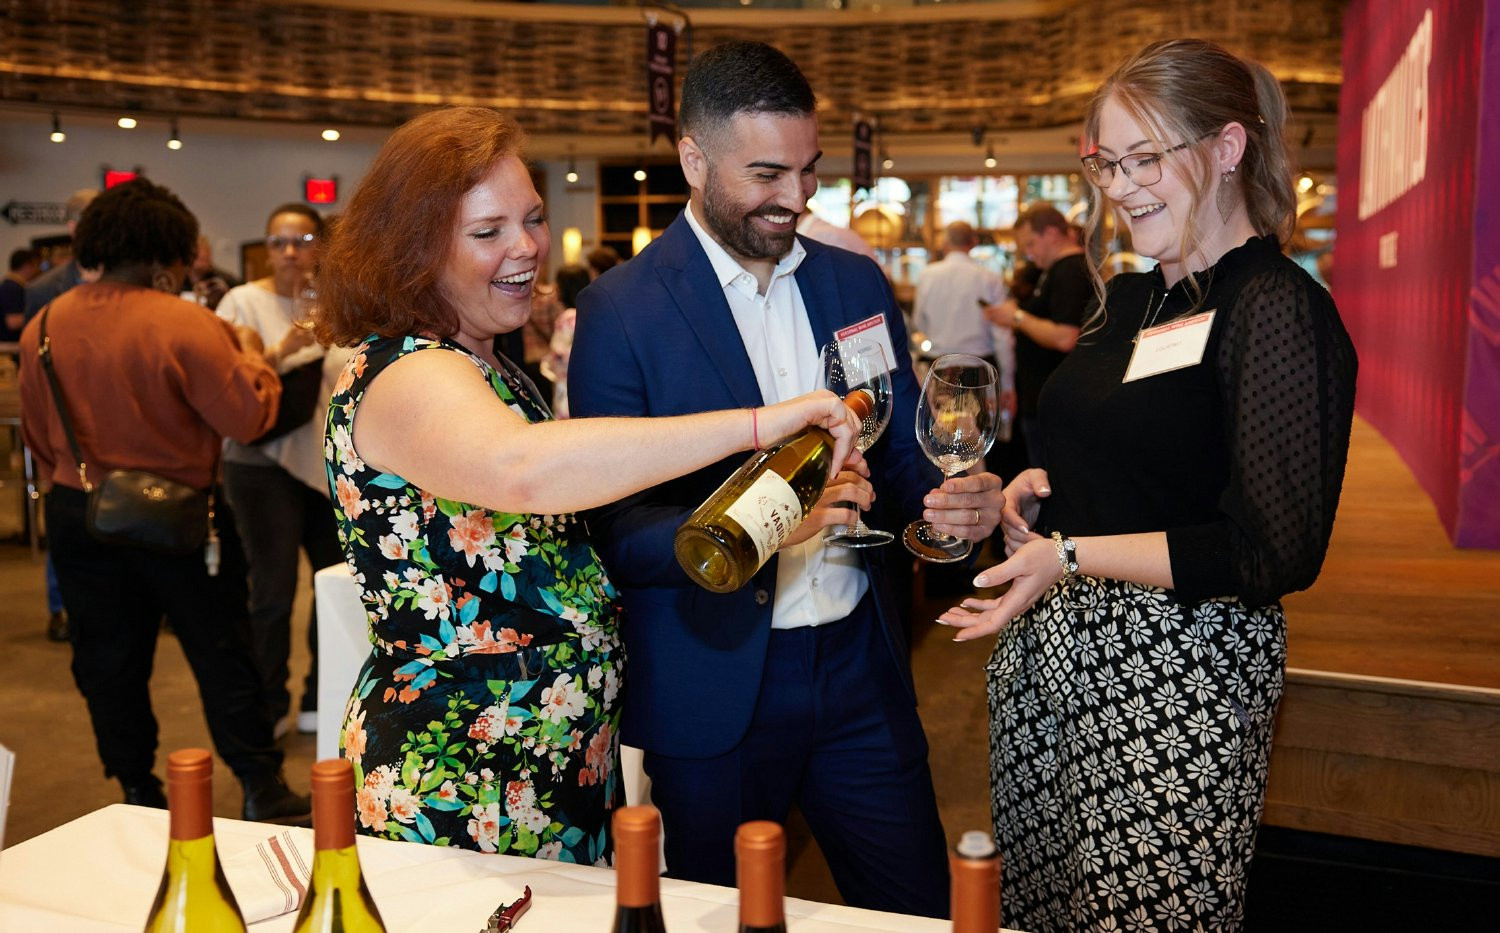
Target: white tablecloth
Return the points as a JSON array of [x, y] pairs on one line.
[[100, 872]]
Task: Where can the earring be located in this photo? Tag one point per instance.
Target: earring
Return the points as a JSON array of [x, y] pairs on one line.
[[1225, 197], [161, 280]]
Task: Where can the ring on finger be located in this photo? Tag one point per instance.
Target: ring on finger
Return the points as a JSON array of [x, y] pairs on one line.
[[976, 516]]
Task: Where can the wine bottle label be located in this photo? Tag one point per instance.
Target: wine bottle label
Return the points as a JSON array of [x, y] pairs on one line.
[[769, 511]]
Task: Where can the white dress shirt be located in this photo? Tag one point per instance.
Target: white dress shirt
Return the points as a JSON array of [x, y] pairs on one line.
[[814, 584], [949, 310]]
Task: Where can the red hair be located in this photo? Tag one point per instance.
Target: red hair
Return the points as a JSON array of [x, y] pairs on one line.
[[381, 271]]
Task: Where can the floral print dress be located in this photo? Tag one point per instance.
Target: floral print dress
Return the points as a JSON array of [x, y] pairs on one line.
[[487, 715]]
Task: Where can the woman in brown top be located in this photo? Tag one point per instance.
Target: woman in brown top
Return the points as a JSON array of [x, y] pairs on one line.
[[151, 382]]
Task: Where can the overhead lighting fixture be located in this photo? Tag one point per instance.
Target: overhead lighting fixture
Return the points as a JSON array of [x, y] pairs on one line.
[[57, 131], [887, 163], [640, 174], [1304, 183], [174, 141], [126, 123], [989, 156], [572, 175], [331, 135]]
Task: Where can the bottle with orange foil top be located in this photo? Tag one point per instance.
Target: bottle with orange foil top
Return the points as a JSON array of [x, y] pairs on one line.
[[194, 894], [637, 833], [760, 869]]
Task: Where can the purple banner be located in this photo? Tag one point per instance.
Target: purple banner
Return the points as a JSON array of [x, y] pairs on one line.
[[661, 67], [863, 176]]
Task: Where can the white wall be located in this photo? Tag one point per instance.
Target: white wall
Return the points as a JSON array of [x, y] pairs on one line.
[[231, 174]]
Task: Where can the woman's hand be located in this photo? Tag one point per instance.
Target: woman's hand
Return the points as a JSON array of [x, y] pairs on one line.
[[1031, 571], [822, 408], [1023, 503]]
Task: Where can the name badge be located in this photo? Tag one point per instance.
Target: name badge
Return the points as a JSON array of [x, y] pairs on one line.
[[1173, 345], [874, 330]]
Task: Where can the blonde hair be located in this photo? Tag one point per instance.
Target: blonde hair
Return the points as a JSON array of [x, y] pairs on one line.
[[1187, 89]]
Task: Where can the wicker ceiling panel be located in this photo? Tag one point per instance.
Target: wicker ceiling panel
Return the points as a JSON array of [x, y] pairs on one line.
[[317, 62]]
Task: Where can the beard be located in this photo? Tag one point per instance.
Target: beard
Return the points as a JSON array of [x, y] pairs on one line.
[[736, 231]]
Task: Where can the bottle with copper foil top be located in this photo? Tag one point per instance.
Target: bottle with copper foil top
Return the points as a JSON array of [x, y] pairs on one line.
[[760, 870], [194, 894], [737, 528], [975, 865], [638, 870], [337, 897]]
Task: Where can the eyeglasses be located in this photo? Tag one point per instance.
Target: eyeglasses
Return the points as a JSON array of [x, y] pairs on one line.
[[1143, 168], [276, 243]]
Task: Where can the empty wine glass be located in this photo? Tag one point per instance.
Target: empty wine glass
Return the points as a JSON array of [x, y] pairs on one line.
[[858, 364], [956, 420]]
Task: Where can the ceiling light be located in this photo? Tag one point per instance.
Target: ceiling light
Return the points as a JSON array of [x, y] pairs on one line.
[[989, 157], [1304, 183], [331, 135], [888, 163], [174, 141], [126, 123], [572, 175], [57, 131], [640, 174]]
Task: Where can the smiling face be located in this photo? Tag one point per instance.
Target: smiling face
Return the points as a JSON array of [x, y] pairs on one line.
[[499, 244], [293, 256], [751, 182], [1177, 220]]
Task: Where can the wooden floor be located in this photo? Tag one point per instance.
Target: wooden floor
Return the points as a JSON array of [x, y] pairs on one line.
[[1396, 599]]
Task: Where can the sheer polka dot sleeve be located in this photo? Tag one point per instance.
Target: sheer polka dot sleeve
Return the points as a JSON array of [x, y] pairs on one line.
[[1286, 373]]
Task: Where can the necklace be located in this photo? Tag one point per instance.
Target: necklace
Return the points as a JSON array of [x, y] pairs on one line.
[[1150, 318]]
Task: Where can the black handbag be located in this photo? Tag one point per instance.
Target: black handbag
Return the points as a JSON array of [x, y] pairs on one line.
[[134, 508]]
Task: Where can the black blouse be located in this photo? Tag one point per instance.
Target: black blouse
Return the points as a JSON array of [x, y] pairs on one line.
[[1240, 458]]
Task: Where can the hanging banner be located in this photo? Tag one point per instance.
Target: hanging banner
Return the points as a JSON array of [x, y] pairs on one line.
[[864, 169], [661, 66]]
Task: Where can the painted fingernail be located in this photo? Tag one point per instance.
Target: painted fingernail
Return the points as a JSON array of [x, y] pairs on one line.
[[981, 580], [1044, 490]]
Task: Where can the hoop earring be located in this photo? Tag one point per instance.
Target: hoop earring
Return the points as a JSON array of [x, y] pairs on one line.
[[161, 280], [1224, 200]]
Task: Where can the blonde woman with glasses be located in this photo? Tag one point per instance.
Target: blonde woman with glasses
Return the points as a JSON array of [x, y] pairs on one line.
[[1196, 441]]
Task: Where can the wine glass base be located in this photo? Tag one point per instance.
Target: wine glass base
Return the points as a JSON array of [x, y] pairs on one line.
[[934, 547], [863, 537]]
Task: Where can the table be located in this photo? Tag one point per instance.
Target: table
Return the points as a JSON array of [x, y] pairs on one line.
[[100, 873]]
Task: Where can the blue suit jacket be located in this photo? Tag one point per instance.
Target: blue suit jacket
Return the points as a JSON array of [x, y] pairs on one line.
[[655, 336]]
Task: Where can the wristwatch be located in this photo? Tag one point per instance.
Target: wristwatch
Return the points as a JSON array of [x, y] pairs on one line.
[[1067, 555]]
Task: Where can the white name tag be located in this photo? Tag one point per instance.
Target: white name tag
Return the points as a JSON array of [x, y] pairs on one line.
[[872, 329], [1173, 345]]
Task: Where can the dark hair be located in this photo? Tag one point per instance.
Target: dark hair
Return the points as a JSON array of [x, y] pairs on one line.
[[21, 257], [135, 223], [302, 210], [1187, 89], [1040, 218], [571, 280], [382, 266], [740, 77], [603, 258]]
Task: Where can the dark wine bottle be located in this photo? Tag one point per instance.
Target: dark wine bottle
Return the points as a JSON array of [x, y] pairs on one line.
[[760, 869], [194, 894], [741, 525], [975, 866], [337, 897], [638, 870]]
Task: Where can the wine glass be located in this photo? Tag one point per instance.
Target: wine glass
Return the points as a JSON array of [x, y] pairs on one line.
[[956, 420], [858, 364]]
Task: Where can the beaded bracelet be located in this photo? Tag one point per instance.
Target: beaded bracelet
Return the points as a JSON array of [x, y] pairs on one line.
[[1067, 555]]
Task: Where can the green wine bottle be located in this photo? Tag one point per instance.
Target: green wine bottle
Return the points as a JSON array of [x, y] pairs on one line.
[[737, 529], [194, 894], [337, 897]]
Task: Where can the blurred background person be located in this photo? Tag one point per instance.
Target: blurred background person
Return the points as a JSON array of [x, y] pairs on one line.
[[570, 281], [151, 382], [207, 283], [496, 671], [23, 267], [277, 482], [1046, 326], [60, 278], [601, 259]]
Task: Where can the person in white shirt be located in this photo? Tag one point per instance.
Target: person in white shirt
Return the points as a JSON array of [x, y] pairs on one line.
[[949, 309], [278, 485]]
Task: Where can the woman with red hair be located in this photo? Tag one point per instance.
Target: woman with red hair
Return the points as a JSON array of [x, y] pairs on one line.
[[487, 714]]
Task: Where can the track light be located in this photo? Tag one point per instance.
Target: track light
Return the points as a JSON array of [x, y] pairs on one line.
[[57, 131], [331, 135], [572, 175], [126, 123], [174, 141], [640, 174], [989, 156]]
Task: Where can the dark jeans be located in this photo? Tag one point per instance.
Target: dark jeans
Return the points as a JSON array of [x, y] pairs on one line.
[[276, 514], [835, 733], [116, 597]]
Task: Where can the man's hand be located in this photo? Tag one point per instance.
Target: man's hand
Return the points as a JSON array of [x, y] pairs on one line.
[[849, 485], [966, 506]]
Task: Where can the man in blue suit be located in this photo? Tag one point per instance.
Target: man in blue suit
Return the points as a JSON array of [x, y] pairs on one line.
[[795, 689]]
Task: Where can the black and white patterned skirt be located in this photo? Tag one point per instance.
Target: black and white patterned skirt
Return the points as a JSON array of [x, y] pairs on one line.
[[1129, 741]]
